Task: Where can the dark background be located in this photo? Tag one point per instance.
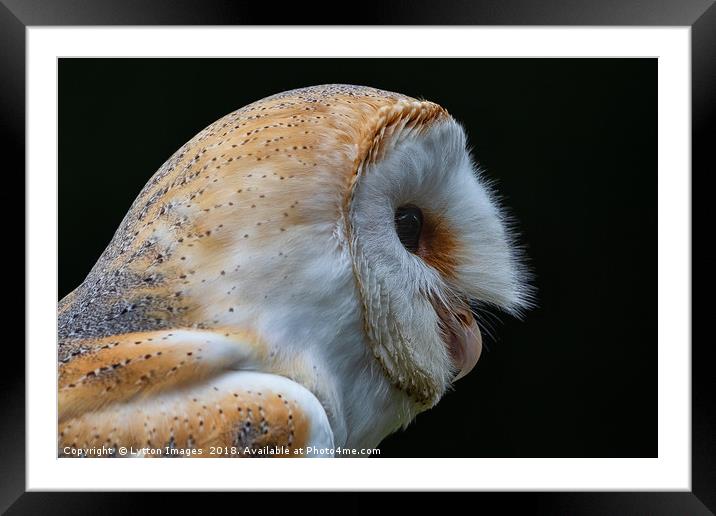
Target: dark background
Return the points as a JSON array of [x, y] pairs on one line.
[[572, 146]]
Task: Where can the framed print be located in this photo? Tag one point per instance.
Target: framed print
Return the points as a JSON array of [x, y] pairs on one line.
[[451, 240]]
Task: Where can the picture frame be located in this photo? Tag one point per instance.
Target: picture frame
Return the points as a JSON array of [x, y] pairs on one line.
[[17, 16]]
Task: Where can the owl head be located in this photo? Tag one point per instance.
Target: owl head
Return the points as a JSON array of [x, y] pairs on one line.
[[346, 228]]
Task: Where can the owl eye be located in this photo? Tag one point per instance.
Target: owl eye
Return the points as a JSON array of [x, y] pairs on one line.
[[408, 225]]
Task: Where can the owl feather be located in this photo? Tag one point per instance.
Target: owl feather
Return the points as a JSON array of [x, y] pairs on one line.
[[257, 294]]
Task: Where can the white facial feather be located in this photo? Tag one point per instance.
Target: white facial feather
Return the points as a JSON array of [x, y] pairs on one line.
[[434, 172]]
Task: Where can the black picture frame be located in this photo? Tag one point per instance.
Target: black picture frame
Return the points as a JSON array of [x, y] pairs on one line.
[[700, 15]]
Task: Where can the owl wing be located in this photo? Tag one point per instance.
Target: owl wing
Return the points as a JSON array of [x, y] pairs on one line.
[[183, 393]]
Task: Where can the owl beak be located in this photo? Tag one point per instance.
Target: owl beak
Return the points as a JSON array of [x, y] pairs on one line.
[[465, 343]]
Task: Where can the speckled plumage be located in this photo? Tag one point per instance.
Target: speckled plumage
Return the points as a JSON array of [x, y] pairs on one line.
[[238, 242], [288, 135]]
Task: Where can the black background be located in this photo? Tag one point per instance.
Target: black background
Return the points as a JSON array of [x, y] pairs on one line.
[[572, 146]]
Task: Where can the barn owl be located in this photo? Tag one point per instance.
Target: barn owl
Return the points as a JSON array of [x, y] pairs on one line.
[[299, 277]]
